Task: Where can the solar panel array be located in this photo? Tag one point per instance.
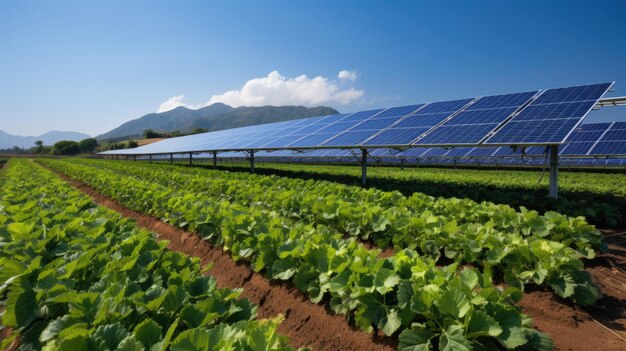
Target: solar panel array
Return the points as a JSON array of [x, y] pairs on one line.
[[533, 117]]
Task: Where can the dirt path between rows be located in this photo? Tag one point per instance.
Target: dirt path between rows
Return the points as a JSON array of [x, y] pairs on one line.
[[306, 324]]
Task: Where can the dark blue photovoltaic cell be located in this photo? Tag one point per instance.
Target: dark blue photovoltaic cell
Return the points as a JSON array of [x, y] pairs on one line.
[[583, 138], [609, 148], [580, 93], [593, 135], [498, 101], [398, 111], [456, 134], [338, 127], [312, 140], [555, 111], [349, 138], [619, 125], [375, 124], [459, 151], [613, 142], [444, 106], [282, 142], [422, 120], [489, 116], [412, 152], [615, 135], [362, 115], [435, 151], [580, 148], [331, 119], [403, 136], [548, 131], [482, 151], [308, 129]]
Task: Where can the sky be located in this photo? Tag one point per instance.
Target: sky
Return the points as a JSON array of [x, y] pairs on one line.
[[89, 66]]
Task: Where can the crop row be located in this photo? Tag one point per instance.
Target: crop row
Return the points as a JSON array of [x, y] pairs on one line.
[[524, 246], [405, 294], [601, 198], [76, 276]]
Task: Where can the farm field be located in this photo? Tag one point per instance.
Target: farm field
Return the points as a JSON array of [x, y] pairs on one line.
[[77, 276], [423, 271], [600, 197]]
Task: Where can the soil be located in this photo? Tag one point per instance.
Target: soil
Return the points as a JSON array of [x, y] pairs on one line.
[[306, 324], [572, 327], [599, 327]]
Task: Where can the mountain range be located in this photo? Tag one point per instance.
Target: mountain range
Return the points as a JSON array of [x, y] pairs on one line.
[[217, 116], [8, 140]]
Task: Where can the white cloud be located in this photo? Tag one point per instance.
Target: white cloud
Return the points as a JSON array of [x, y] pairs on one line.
[[348, 75], [171, 103], [275, 89]]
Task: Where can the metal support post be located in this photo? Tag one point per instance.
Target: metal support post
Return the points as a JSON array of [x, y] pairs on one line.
[[554, 171], [150, 157], [214, 158], [171, 159], [134, 157], [402, 164], [363, 167], [251, 161], [190, 159]]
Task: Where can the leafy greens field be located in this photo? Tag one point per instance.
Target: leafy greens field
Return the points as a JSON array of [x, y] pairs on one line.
[[311, 240], [76, 276], [600, 197]]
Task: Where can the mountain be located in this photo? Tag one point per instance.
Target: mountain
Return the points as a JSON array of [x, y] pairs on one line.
[[8, 140], [214, 117]]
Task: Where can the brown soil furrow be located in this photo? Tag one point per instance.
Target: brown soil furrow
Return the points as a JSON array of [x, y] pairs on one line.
[[306, 324]]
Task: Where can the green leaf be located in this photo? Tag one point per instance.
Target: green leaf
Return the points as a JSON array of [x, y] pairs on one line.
[[78, 343], [18, 229], [54, 327], [453, 340], [21, 305], [174, 299], [191, 340], [112, 334], [454, 302], [510, 321], [130, 344], [415, 339], [563, 285], [386, 280], [482, 324], [148, 332]]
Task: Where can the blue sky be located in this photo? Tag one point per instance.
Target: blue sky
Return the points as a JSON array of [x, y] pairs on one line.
[[89, 66]]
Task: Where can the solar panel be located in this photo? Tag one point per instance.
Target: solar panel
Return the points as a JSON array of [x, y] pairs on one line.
[[613, 142], [412, 126], [551, 117], [365, 129], [475, 122], [583, 138]]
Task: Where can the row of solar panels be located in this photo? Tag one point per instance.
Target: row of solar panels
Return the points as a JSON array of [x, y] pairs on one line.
[[529, 118]]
